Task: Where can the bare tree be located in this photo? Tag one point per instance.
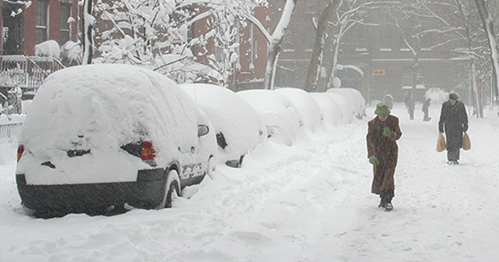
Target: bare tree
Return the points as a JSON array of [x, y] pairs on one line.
[[318, 51], [341, 17], [88, 22], [488, 26], [274, 40], [155, 34]]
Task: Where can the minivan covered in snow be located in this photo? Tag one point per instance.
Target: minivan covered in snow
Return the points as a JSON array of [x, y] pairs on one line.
[[98, 137]]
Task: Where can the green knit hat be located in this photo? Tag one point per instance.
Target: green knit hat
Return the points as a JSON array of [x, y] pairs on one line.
[[382, 109]]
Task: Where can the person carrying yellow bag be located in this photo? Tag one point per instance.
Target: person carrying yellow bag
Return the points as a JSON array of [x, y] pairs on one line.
[[466, 142], [441, 145], [454, 121]]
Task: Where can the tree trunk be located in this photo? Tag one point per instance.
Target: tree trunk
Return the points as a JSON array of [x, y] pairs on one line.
[[494, 52], [275, 43], [88, 22], [318, 52]]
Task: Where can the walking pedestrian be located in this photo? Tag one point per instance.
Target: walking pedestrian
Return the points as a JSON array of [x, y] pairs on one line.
[[410, 104], [382, 151], [454, 121], [425, 109]]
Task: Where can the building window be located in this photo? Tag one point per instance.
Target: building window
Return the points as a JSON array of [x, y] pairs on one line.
[[42, 12], [65, 25], [407, 76], [385, 42], [361, 42], [310, 40], [288, 43], [405, 36], [310, 7], [427, 42]]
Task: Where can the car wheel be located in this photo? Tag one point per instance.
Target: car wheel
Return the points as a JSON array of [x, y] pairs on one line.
[[172, 190], [211, 166]]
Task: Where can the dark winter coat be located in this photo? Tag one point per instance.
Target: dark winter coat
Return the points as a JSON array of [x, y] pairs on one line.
[[385, 150], [454, 121]]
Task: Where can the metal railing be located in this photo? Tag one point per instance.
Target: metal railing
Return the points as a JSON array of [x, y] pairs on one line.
[[27, 72], [10, 131]]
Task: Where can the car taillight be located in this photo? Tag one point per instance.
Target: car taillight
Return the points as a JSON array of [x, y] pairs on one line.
[[148, 153], [20, 151]]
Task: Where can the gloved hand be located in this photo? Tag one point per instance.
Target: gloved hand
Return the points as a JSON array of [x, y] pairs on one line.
[[387, 132], [373, 160]]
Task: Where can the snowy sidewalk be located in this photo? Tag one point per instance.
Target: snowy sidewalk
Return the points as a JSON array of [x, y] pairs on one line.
[[308, 202]]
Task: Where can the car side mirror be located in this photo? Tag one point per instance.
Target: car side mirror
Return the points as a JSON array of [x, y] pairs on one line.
[[203, 130]]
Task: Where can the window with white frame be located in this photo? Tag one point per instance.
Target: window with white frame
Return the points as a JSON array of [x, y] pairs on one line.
[[65, 29], [42, 15]]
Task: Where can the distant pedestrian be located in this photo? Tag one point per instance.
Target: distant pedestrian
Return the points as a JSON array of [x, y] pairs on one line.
[[454, 121], [425, 109], [410, 104], [383, 132], [388, 99]]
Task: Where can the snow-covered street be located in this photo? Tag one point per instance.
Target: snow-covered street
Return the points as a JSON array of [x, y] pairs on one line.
[[307, 202]]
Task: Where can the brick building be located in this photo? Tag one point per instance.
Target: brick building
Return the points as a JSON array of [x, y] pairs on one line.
[[375, 59], [42, 20]]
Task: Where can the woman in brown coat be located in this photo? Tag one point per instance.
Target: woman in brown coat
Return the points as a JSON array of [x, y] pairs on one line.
[[383, 132]]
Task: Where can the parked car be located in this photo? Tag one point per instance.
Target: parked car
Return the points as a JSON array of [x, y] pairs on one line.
[[98, 137], [348, 110], [280, 116], [330, 109], [354, 97], [236, 123], [308, 107]]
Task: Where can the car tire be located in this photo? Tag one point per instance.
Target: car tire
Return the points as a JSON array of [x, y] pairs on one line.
[[211, 166], [172, 190]]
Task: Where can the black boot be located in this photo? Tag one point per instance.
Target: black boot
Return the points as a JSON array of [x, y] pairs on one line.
[[386, 199]]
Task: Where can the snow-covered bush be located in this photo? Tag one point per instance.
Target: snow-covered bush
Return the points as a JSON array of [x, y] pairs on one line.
[[49, 48], [437, 95], [71, 53]]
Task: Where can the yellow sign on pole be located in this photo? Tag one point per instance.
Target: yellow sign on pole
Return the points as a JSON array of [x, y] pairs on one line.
[[378, 72]]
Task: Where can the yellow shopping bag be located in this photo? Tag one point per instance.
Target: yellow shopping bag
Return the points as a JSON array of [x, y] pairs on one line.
[[441, 145], [466, 142]]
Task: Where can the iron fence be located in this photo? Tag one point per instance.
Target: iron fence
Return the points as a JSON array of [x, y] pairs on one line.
[[10, 131], [27, 72]]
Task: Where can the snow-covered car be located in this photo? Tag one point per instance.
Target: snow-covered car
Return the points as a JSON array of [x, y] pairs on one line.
[[354, 97], [330, 109], [280, 116], [348, 110], [308, 107], [236, 123], [100, 137]]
